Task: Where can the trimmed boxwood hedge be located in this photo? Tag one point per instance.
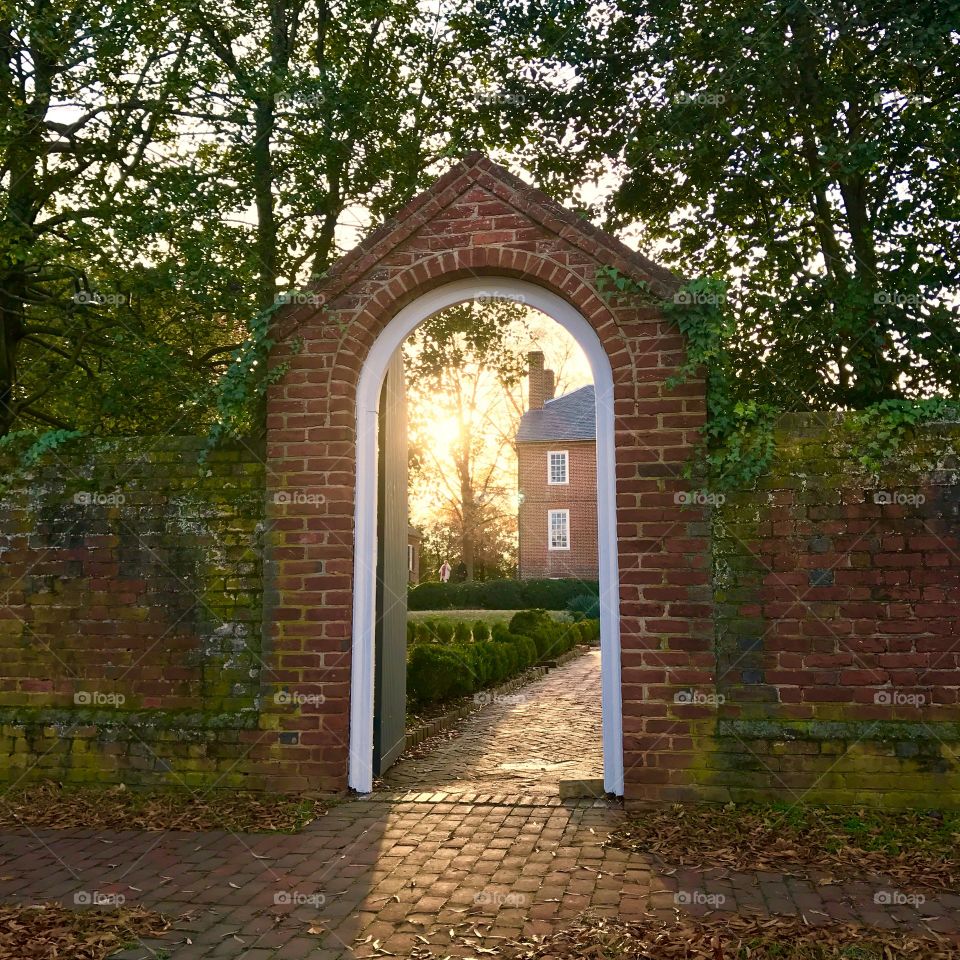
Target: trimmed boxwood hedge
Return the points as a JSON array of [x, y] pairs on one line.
[[450, 659], [500, 594]]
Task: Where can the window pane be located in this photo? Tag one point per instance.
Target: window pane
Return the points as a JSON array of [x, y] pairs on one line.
[[559, 533], [558, 467]]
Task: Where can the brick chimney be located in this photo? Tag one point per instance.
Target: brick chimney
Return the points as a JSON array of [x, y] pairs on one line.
[[536, 391], [549, 385]]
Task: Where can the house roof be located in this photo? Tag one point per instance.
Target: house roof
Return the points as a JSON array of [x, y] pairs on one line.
[[570, 417]]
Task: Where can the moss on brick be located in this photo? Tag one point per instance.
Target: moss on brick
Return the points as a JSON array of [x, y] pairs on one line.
[[157, 597]]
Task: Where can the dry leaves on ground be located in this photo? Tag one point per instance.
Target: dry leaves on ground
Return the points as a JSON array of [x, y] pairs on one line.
[[47, 931], [730, 937], [914, 849], [52, 805]]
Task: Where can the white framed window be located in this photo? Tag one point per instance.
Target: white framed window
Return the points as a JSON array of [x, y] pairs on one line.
[[558, 467], [558, 529], [410, 558]]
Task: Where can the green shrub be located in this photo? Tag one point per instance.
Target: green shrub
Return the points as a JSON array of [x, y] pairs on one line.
[[545, 632], [438, 673], [492, 666], [411, 632], [499, 594], [452, 660], [587, 605], [526, 621], [527, 648], [502, 661], [512, 655]]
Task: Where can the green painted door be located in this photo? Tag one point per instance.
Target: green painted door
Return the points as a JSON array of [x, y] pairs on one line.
[[390, 650]]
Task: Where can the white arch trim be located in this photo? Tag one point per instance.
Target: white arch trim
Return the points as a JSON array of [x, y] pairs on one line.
[[365, 530]]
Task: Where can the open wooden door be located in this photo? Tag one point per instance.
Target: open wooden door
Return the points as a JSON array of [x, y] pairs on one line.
[[390, 638]]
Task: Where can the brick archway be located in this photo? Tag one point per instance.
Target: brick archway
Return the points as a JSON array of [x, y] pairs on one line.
[[364, 608], [479, 223]]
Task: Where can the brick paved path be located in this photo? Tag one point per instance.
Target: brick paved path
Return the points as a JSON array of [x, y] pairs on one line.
[[522, 744], [391, 875]]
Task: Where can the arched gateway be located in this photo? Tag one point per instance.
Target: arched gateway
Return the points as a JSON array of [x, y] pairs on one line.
[[479, 230]]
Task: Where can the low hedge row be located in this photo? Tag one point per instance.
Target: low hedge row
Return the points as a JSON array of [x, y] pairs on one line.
[[473, 656], [499, 594]]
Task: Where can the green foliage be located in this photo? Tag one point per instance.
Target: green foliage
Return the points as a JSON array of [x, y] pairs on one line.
[[498, 594], [528, 620], [26, 448], [738, 434], [738, 437], [738, 442], [510, 653], [610, 281], [882, 428], [586, 605], [449, 659], [243, 386], [550, 638], [436, 673], [527, 648], [804, 153], [131, 249]]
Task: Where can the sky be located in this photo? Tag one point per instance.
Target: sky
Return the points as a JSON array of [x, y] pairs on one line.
[[434, 427]]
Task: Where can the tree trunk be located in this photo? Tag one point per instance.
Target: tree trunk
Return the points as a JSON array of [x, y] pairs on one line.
[[11, 331], [266, 242], [871, 375]]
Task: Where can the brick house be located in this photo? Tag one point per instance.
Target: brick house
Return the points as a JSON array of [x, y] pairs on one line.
[[557, 470]]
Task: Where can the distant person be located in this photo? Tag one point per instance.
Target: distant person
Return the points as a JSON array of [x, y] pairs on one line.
[[445, 571]]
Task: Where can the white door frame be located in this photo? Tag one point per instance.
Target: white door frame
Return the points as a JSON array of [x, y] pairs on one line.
[[365, 529]]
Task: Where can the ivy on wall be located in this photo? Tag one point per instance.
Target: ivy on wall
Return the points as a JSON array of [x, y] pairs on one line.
[[738, 438], [241, 392]]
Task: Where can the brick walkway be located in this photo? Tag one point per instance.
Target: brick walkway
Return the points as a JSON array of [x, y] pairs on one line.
[[387, 875], [522, 744]]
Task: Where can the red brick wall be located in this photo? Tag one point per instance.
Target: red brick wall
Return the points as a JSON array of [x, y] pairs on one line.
[[130, 614], [838, 616], [537, 497], [477, 221]]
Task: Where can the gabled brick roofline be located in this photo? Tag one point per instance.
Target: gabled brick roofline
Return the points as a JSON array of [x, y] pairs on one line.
[[477, 168]]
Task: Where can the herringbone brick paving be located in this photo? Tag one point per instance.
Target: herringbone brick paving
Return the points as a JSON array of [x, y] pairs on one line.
[[380, 877], [522, 744]]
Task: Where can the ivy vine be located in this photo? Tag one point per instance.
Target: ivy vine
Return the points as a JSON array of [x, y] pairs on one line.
[[26, 447], [241, 390], [738, 438], [884, 427]]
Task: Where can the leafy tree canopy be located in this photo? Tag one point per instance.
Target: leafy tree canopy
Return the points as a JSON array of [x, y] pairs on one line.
[[806, 153]]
